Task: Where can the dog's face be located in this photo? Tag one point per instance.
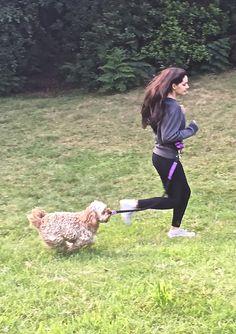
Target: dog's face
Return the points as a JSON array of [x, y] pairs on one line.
[[103, 213]]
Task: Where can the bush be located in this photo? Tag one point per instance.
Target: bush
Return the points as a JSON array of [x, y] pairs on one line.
[[218, 59], [121, 72], [110, 44], [15, 32], [163, 33], [184, 33]]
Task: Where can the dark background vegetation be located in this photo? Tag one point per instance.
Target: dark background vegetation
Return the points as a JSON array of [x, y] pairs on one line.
[[110, 45]]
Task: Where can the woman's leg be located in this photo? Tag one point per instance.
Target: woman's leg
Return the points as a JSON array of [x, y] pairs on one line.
[[178, 191], [178, 195]]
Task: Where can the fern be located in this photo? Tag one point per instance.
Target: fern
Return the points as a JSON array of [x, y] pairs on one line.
[[121, 72], [218, 56]]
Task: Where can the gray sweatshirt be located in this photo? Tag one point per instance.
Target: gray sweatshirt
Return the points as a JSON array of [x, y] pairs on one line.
[[172, 129]]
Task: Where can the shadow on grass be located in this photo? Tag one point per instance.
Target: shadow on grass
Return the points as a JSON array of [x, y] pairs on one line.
[[87, 255]]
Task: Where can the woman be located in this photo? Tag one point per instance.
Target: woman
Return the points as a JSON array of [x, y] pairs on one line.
[[166, 117]]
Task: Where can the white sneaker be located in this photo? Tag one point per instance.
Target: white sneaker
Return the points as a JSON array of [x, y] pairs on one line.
[[179, 232], [128, 204]]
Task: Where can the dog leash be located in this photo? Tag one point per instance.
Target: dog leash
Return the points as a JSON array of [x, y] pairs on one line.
[[179, 146]]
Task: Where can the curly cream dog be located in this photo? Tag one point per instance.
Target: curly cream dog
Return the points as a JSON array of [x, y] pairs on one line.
[[70, 231]]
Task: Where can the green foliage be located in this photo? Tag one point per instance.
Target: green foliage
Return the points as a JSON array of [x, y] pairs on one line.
[[121, 72], [184, 33], [71, 72], [162, 33], [69, 40], [218, 56], [170, 46], [15, 35], [229, 7], [10, 82], [114, 25]]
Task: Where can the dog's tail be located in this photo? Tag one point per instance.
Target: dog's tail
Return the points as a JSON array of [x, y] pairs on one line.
[[35, 217]]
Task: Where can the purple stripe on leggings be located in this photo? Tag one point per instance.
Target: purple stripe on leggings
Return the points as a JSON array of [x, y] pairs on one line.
[[172, 169]]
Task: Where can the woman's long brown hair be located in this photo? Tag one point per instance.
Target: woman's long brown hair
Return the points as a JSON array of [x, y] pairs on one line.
[[155, 93]]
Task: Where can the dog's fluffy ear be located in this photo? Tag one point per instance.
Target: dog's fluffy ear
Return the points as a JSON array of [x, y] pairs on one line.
[[98, 212], [89, 217], [36, 216], [92, 217]]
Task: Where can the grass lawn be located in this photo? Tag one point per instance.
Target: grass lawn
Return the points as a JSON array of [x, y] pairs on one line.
[[61, 153]]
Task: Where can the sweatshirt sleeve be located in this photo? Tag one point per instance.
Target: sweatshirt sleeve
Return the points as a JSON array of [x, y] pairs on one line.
[[173, 127]]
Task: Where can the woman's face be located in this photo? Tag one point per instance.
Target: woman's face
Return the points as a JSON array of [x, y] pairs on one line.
[[182, 87]]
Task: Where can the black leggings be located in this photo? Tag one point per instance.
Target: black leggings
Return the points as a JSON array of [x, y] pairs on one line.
[[178, 192]]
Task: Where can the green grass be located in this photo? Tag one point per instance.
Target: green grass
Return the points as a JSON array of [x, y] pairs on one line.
[[62, 152]]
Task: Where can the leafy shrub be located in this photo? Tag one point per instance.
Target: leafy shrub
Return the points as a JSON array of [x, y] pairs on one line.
[[49, 38], [109, 25], [218, 59], [82, 72], [121, 72], [229, 7], [184, 33], [15, 41]]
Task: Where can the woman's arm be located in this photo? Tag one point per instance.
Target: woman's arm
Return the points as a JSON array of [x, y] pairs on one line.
[[173, 127]]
